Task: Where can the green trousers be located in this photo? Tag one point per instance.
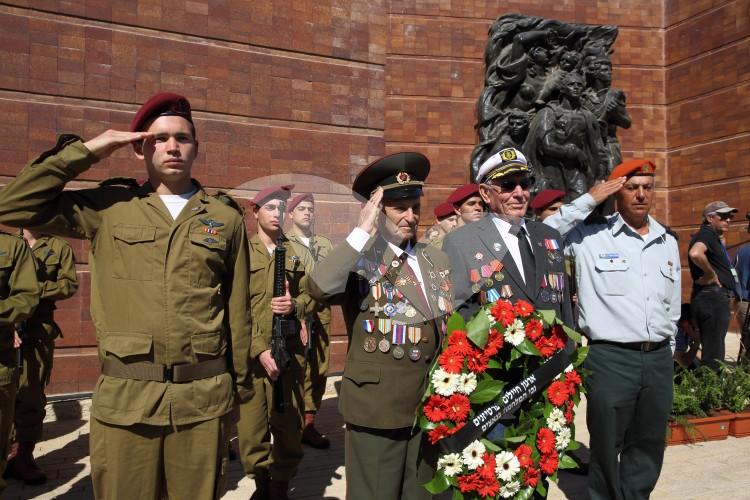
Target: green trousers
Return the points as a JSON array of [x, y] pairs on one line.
[[316, 369], [629, 397], [151, 462], [259, 420], [390, 464], [8, 384], [37, 354]]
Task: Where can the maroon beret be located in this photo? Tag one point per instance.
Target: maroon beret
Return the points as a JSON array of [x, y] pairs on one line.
[[443, 210], [272, 193], [633, 167], [461, 193], [162, 104], [298, 199], [546, 197]]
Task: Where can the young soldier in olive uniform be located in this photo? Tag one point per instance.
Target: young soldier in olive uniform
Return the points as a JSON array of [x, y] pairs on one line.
[[19, 295], [56, 272], [273, 466], [302, 211], [394, 294], [169, 294]]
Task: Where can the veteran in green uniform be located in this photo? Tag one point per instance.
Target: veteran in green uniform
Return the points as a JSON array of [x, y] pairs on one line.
[[394, 294], [56, 273], [272, 466], [19, 296], [301, 209], [169, 294]]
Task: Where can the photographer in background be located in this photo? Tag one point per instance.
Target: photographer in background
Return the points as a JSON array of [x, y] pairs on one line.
[[741, 264]]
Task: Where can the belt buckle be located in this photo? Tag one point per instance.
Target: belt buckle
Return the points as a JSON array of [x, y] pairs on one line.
[[646, 346], [168, 374]]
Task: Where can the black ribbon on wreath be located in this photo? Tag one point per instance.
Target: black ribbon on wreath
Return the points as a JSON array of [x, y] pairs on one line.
[[485, 420]]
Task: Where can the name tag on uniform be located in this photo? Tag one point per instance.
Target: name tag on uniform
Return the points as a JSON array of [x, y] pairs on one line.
[[609, 256]]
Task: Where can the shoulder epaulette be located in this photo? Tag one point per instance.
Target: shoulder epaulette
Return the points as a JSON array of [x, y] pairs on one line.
[[121, 181], [671, 231], [227, 199], [595, 218]]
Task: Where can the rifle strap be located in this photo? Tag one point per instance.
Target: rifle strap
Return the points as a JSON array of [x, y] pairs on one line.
[[177, 374]]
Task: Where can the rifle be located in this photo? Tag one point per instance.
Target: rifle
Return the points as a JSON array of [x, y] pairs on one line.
[[281, 326]]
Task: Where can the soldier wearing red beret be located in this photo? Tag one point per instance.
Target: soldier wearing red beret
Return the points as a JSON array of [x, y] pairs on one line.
[[546, 203], [467, 204], [169, 289]]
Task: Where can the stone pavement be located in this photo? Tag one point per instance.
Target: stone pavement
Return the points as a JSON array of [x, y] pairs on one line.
[[719, 469]]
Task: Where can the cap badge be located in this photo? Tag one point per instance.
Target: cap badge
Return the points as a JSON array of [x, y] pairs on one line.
[[646, 168], [403, 177], [508, 155]]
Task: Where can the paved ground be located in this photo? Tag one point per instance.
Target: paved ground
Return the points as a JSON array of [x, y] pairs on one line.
[[702, 471]]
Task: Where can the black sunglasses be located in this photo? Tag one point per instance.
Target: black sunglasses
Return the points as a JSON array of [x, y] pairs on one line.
[[727, 216], [510, 185]]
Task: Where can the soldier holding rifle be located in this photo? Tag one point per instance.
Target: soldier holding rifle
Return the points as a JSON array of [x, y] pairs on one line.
[[278, 406]]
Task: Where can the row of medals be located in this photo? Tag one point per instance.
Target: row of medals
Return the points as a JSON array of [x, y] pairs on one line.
[[390, 309]]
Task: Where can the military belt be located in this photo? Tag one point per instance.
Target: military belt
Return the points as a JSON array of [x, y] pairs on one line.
[[177, 374]]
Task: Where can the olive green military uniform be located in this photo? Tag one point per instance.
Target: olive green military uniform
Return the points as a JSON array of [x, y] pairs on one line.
[[56, 272], [19, 295], [319, 331], [169, 301], [382, 386], [259, 419]]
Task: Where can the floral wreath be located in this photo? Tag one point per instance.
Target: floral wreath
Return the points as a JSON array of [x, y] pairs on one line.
[[502, 341]]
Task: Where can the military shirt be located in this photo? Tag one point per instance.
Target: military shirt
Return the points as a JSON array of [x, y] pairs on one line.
[[163, 291], [628, 284], [56, 272], [298, 262], [319, 248]]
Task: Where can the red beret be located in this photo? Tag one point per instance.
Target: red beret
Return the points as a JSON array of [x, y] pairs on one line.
[[461, 193], [633, 167], [546, 197], [443, 210], [162, 104], [272, 192], [299, 198]]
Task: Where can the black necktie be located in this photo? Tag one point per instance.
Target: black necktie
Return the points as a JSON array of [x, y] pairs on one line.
[[527, 256]]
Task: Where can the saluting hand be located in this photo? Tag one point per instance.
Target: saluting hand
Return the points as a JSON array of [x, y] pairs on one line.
[[368, 217], [604, 190], [110, 141], [283, 305], [268, 363]]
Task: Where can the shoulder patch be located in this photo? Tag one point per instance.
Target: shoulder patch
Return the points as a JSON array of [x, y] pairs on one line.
[[227, 199], [128, 182]]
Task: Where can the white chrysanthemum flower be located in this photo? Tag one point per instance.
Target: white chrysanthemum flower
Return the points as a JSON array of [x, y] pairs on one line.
[[556, 420], [472, 455], [508, 490], [445, 383], [515, 333], [467, 382], [507, 465], [562, 439], [450, 464]]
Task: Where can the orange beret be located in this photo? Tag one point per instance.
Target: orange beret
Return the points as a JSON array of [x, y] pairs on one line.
[[633, 167], [161, 104], [272, 193], [298, 199]]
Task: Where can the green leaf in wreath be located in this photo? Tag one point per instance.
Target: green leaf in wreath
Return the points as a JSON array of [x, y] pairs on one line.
[[573, 446], [490, 445], [567, 462], [493, 363], [457, 495], [579, 356], [515, 439], [486, 390], [478, 329], [524, 494], [548, 316], [456, 322], [426, 424], [572, 333], [515, 354], [438, 484], [528, 348], [541, 489]]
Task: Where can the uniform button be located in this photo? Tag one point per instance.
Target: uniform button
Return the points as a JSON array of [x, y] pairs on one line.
[[648, 298], [645, 274]]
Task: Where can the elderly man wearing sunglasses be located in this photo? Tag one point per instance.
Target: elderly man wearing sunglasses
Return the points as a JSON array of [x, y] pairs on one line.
[[503, 255]]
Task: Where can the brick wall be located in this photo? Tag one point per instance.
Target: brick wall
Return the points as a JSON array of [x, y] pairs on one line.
[[321, 87]]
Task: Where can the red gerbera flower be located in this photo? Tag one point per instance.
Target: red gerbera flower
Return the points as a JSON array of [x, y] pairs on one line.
[[559, 336], [523, 454], [488, 487], [459, 342], [569, 412], [531, 477], [558, 393], [503, 312], [438, 433], [534, 329], [546, 346], [477, 361], [495, 342], [451, 361], [572, 377], [523, 308], [456, 428], [469, 482], [458, 407], [436, 408], [545, 440], [548, 463]]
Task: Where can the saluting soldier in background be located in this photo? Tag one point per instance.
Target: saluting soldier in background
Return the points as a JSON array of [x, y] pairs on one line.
[[56, 272], [169, 295], [19, 295], [272, 466], [302, 211], [394, 294]]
